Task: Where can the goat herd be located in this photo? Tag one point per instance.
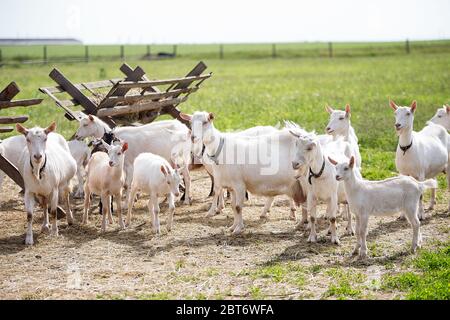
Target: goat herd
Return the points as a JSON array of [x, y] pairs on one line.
[[264, 160]]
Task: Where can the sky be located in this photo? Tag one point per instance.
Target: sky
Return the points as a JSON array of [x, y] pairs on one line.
[[226, 21]]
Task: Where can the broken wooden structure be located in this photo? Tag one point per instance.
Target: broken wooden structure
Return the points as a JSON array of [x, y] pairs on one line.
[[134, 98], [6, 96]]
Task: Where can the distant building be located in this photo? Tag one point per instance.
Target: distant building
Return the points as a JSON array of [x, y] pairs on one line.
[[39, 41]]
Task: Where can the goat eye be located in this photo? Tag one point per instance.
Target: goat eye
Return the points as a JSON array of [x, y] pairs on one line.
[[408, 114], [28, 140], [345, 169], [119, 153], [341, 118], [439, 116]]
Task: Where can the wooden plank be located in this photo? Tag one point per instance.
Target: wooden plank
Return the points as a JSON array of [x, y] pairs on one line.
[[84, 85], [120, 110], [89, 106], [14, 119], [149, 96], [6, 129], [173, 110], [126, 69], [10, 91], [69, 113], [19, 103], [146, 84], [11, 170]]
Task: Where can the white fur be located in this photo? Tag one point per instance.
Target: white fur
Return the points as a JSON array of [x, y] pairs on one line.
[[442, 117], [378, 198], [60, 168], [155, 137], [105, 177], [81, 153], [310, 154], [340, 126], [239, 177], [428, 155], [153, 175]]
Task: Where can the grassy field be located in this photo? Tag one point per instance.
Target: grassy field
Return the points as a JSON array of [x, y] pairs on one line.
[[14, 54], [244, 93], [247, 92]]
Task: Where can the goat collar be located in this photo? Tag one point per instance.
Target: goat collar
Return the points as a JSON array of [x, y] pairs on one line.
[[316, 175], [219, 149], [405, 148], [41, 169]]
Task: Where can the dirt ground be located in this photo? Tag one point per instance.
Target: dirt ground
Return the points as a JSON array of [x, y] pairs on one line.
[[199, 258]]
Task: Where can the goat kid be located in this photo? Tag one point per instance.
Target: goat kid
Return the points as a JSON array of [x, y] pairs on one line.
[[81, 153], [379, 198], [153, 175], [105, 178]]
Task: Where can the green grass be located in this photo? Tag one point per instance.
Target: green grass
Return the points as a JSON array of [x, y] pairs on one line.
[[230, 51], [430, 279], [279, 273], [345, 284], [244, 93]]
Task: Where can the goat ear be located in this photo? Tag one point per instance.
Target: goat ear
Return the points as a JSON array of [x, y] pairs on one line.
[[447, 108], [347, 110], [185, 116], [21, 129], [352, 162], [393, 105], [210, 116], [294, 134], [164, 170], [50, 128], [91, 117], [125, 147], [413, 106], [329, 109], [334, 162]]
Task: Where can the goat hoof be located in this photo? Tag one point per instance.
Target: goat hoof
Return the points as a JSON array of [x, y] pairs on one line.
[[29, 241], [355, 252], [312, 238], [209, 214], [336, 241], [263, 216], [362, 256], [238, 230], [349, 232], [45, 228], [292, 217], [401, 218], [55, 232]]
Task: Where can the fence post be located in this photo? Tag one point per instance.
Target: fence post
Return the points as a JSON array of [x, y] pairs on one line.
[[148, 51], [408, 50], [330, 49], [221, 51], [45, 54], [274, 50], [122, 52], [174, 50], [86, 53]]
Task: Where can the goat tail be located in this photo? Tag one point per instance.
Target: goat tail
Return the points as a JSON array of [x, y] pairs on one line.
[[298, 195], [427, 184]]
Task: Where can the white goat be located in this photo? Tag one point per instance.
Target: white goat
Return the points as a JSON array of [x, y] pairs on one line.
[[442, 117], [105, 178], [153, 137], [245, 163], [339, 125], [47, 167], [378, 198], [422, 155], [154, 176], [311, 161], [81, 153]]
